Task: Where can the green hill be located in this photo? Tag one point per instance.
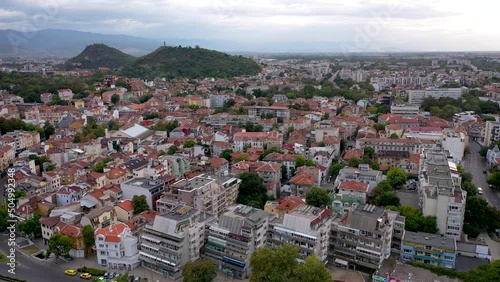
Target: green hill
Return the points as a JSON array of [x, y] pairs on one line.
[[189, 62], [99, 55]]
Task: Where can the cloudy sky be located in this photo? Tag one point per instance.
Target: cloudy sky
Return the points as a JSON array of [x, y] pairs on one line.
[[419, 25]]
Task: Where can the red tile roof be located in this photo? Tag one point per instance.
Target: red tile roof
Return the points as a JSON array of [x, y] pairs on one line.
[[112, 233], [354, 186], [126, 205], [303, 178]]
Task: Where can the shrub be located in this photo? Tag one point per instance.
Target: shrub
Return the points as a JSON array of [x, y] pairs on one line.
[[92, 271]]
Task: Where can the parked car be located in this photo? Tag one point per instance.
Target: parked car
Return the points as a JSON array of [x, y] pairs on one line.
[[131, 278], [85, 276], [70, 272], [137, 279], [479, 190], [106, 275]]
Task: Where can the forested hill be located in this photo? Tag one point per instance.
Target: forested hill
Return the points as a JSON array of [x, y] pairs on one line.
[[170, 62], [99, 55]]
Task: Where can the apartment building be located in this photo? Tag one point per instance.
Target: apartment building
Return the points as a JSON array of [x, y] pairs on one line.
[[491, 132], [416, 97], [405, 109], [431, 249], [440, 195], [218, 121], [307, 227], [151, 187], [362, 239], [234, 236], [407, 161], [363, 173], [116, 247], [172, 240], [203, 192], [385, 144], [218, 101], [257, 140], [282, 112]]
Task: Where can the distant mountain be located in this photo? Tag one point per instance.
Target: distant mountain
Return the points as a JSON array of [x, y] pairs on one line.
[[68, 43], [99, 55], [190, 62]]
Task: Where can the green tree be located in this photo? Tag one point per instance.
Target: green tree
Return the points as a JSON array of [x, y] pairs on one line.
[[275, 265], [484, 273], [396, 177], [335, 170], [59, 244], [387, 199], [354, 162], [226, 154], [252, 191], [415, 221], [122, 277], [394, 136], [199, 271], [88, 238], [4, 217], [140, 203], [32, 225], [230, 103], [494, 179], [470, 188], [115, 98], [318, 197], [172, 150], [48, 129], [300, 161], [189, 143], [312, 270]]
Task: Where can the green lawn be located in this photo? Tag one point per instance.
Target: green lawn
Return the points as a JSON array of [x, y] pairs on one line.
[[3, 258]]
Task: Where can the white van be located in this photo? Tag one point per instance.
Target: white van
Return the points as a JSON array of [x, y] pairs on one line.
[[479, 190]]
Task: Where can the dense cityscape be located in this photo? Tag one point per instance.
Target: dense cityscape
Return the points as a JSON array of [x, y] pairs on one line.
[[125, 163]]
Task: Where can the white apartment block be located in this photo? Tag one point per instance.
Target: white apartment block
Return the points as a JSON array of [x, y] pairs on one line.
[[405, 109], [307, 228], [440, 195], [416, 97], [218, 101], [116, 247], [414, 146], [172, 240], [491, 132]]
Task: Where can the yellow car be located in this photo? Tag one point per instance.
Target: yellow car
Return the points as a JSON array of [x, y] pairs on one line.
[[70, 272], [86, 276]]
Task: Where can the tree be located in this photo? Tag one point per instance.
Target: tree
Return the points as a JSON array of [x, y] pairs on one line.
[[88, 238], [484, 273], [312, 270], [49, 129], [274, 264], [394, 136], [281, 265], [415, 221], [230, 103], [115, 98], [189, 143], [172, 150], [4, 217], [122, 277], [300, 161], [199, 271], [59, 244], [387, 199], [396, 177], [335, 170], [494, 179], [318, 197], [470, 188], [140, 203], [252, 191], [354, 162], [226, 154], [32, 225]]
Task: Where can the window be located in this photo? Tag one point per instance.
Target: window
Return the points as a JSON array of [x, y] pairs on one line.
[[428, 247], [448, 257], [103, 252]]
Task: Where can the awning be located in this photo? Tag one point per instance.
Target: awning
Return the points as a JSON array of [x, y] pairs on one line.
[[341, 261]]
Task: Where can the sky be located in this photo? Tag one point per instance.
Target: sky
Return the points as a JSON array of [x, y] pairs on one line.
[[350, 25]]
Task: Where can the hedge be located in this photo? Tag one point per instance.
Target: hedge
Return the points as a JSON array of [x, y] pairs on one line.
[[10, 279], [92, 271]]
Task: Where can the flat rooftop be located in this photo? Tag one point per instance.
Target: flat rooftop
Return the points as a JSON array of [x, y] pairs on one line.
[[143, 182], [193, 183], [429, 239], [180, 213]]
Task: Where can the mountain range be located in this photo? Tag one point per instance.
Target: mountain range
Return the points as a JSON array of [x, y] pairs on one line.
[[68, 43]]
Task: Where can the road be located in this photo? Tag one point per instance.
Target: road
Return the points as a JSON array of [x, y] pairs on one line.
[[32, 270], [475, 164], [3, 181]]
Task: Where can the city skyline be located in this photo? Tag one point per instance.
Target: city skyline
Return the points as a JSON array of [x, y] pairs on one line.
[[274, 25]]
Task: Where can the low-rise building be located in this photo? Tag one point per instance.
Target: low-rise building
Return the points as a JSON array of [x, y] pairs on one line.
[[363, 173], [430, 249], [116, 247], [151, 187]]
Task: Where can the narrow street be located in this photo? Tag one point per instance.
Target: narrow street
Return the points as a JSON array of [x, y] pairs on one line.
[[475, 164]]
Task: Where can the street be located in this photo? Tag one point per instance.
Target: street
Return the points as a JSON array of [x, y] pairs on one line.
[[475, 164], [3, 181], [32, 270]]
